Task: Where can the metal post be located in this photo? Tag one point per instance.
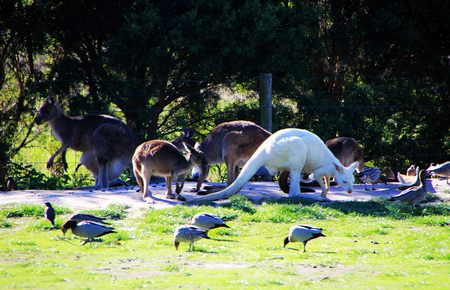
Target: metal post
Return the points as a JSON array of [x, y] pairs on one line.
[[265, 100]]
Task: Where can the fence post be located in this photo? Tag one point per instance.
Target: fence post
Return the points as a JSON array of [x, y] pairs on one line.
[[265, 108], [265, 100]]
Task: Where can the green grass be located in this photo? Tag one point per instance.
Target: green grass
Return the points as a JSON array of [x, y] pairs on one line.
[[368, 245]]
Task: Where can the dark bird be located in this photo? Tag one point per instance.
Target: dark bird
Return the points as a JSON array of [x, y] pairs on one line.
[[370, 175], [440, 170], [86, 229], [49, 213], [302, 234], [413, 194], [188, 233], [208, 221], [11, 184], [80, 217]]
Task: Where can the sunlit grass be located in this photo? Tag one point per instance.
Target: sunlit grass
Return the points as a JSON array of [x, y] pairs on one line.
[[391, 246]]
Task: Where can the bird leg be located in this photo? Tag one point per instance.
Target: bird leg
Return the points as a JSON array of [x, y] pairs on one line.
[[304, 247]]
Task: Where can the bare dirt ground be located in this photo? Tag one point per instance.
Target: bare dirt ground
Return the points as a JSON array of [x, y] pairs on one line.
[[255, 191]]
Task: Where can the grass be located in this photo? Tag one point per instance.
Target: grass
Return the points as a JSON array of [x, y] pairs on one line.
[[368, 245]]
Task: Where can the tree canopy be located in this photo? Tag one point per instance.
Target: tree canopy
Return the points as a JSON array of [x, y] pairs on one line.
[[374, 70]]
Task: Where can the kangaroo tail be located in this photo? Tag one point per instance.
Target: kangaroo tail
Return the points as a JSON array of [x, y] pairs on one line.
[[249, 169]]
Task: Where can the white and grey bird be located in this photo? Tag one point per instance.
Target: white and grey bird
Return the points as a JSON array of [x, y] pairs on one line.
[[405, 180], [415, 182], [302, 234], [208, 221], [370, 175], [49, 213], [411, 171], [440, 170], [188, 233], [79, 217], [87, 229], [413, 194]]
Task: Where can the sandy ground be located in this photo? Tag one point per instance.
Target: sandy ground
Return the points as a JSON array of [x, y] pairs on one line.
[[97, 199]]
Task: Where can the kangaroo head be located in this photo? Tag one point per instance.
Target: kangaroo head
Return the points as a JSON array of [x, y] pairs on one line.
[[196, 156], [187, 137], [49, 110], [344, 175]]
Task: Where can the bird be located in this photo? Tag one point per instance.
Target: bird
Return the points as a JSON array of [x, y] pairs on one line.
[[188, 233], [302, 234], [413, 194], [440, 170], [411, 171], [11, 184], [406, 179], [405, 184], [49, 213], [370, 175], [208, 221], [415, 182], [86, 229], [79, 217]]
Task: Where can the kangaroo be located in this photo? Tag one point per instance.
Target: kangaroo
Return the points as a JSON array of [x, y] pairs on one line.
[[233, 143], [295, 150], [106, 142], [186, 137], [89, 161], [345, 149], [161, 158]]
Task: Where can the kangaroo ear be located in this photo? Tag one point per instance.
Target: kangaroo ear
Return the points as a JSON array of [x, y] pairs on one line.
[[188, 147], [338, 168], [353, 166]]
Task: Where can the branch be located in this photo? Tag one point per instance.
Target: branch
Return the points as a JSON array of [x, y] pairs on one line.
[[24, 141]]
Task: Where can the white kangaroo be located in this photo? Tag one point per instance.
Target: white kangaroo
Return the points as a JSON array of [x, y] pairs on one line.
[[295, 150], [346, 150]]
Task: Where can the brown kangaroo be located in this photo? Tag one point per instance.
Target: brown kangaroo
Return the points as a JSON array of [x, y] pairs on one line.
[[161, 158], [233, 143], [345, 149], [106, 142]]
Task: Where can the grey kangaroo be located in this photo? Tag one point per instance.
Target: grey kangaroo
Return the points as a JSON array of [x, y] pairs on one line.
[[106, 142], [232, 143]]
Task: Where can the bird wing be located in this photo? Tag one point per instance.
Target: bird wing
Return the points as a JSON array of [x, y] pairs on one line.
[[406, 192], [88, 217], [310, 227], [91, 229]]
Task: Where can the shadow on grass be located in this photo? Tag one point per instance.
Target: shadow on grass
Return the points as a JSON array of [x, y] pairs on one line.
[[310, 252], [380, 207], [223, 240], [202, 250]]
